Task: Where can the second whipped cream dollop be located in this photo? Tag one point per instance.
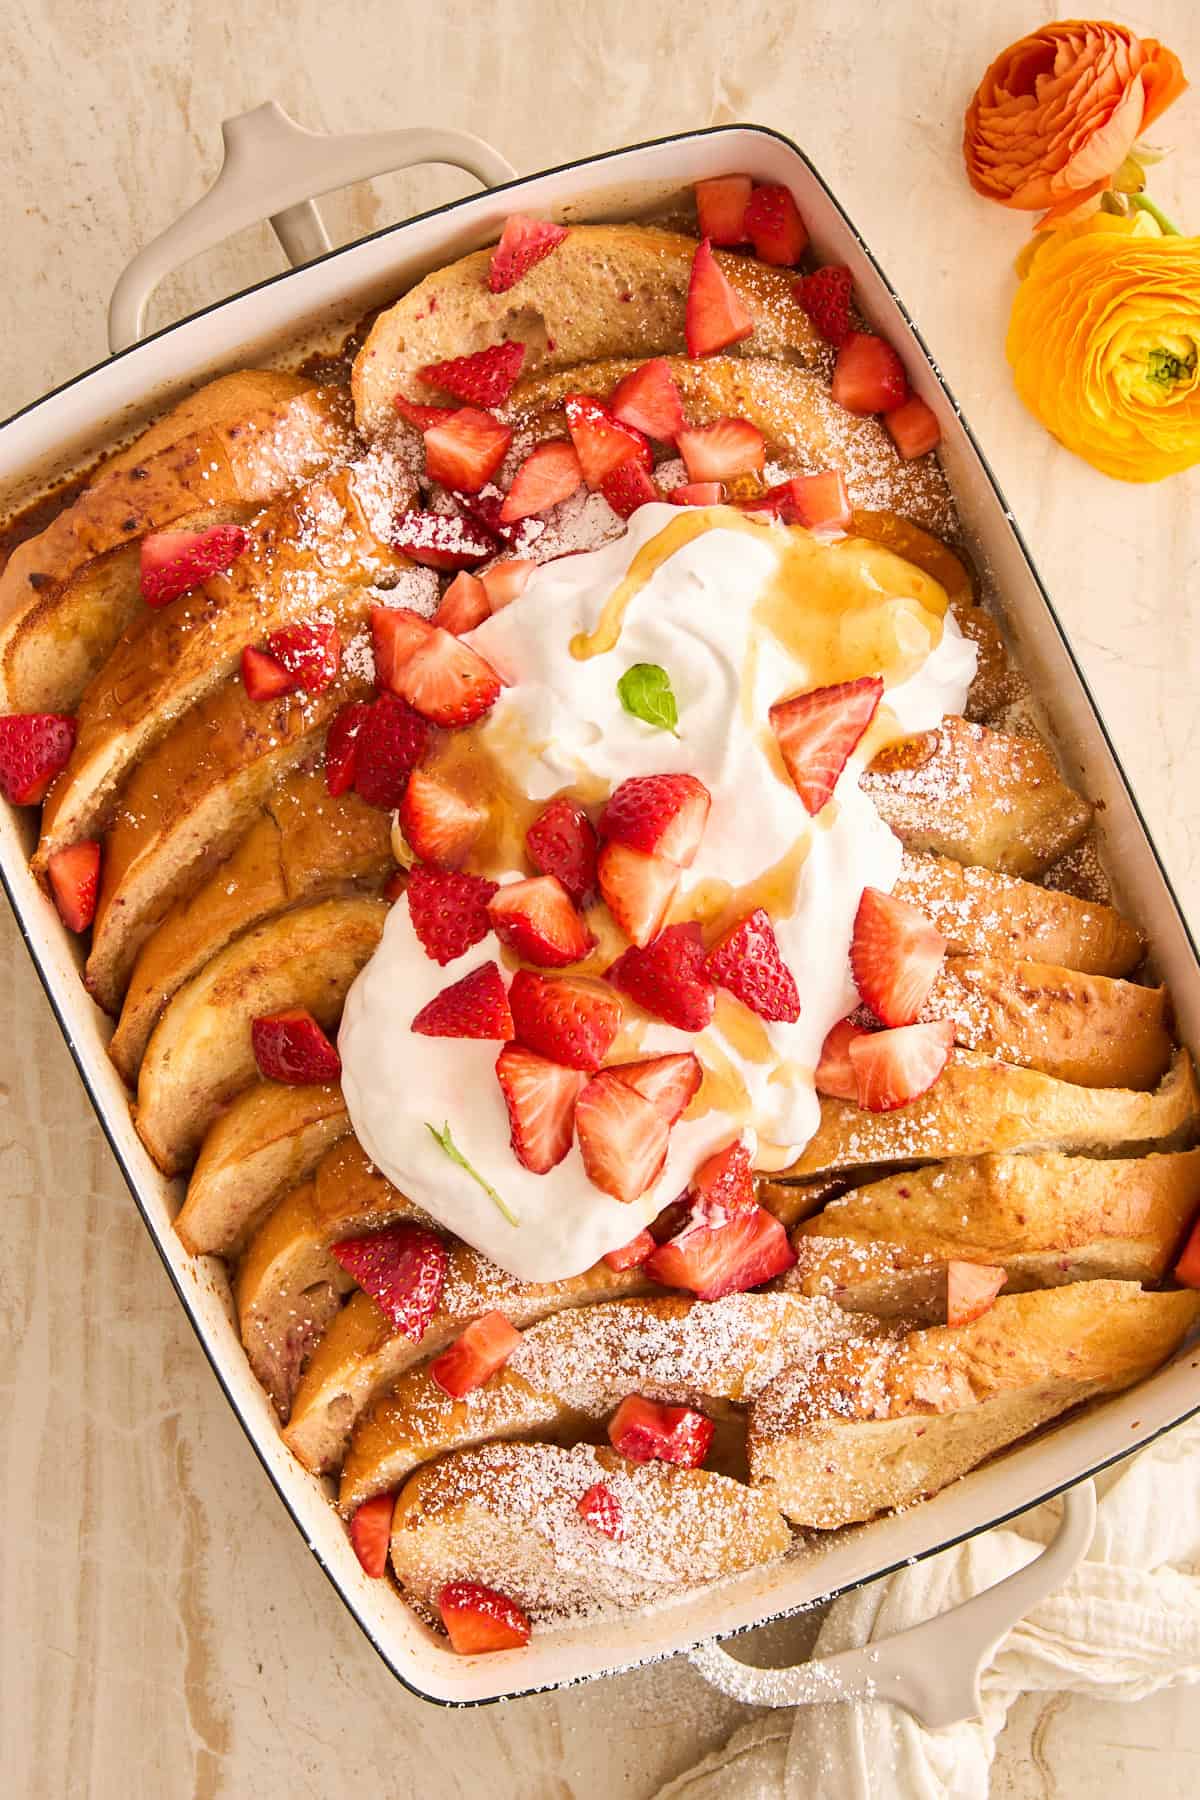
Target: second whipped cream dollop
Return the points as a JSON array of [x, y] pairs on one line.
[[710, 614]]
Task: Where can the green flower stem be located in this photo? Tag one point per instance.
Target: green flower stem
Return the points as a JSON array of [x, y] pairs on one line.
[[1143, 203]]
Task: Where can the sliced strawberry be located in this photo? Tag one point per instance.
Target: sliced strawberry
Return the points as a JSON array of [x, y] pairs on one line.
[[721, 450], [834, 1073], [567, 1018], [628, 487], [523, 243], [476, 1006], [485, 378], [818, 732], [868, 377], [423, 418], [668, 978], [894, 1067], [638, 889], [549, 474], [562, 842], [600, 1508], [341, 746], [631, 1255], [540, 1096], [536, 920], [33, 748], [447, 682], [970, 1290], [644, 1431], [697, 493], [464, 605], [622, 1137], [403, 1268], [263, 677], [507, 580], [389, 743], [718, 1253], [664, 815], [473, 1358], [443, 541], [825, 296], [668, 1082], [715, 315], [721, 208], [439, 823], [174, 561], [311, 653], [747, 961], [370, 1533], [895, 956], [601, 444], [74, 881], [913, 427], [466, 450], [397, 633], [1187, 1269], [477, 1618], [819, 502], [774, 226], [649, 400], [290, 1046], [448, 911]]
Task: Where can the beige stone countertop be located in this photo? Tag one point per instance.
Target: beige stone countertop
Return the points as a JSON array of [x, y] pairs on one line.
[[164, 1630]]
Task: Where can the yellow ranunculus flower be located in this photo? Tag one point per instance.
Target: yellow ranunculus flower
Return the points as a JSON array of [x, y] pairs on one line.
[[1104, 343]]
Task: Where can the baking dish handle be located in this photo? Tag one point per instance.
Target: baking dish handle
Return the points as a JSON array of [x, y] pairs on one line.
[[272, 168], [933, 1669]]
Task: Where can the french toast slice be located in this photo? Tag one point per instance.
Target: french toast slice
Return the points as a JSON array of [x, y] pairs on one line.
[[574, 1367], [607, 291], [883, 1423], [507, 1515], [1045, 1218], [67, 594], [267, 1140], [200, 1054]]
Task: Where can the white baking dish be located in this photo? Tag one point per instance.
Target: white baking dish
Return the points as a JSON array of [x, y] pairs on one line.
[[79, 420]]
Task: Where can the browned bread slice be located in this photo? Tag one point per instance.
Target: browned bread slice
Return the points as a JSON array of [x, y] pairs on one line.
[[575, 1367], [200, 1055], [880, 1424], [507, 1515], [607, 291], [1045, 1218], [67, 594], [266, 1141]]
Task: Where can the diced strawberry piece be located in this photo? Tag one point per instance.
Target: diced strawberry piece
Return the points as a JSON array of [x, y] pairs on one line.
[[523, 243], [74, 881], [715, 316], [171, 562], [664, 815], [834, 1074], [311, 653], [567, 1018], [341, 746], [819, 731], [668, 978], [562, 842], [638, 889], [423, 418], [724, 1182], [370, 1533], [895, 956], [601, 444], [464, 605], [868, 377], [748, 962], [644, 1431], [540, 1096], [389, 743], [263, 677], [649, 400], [507, 580], [290, 1046], [668, 1082], [549, 474], [485, 378], [697, 493], [600, 1508], [33, 749], [914, 428], [622, 1137], [447, 682], [721, 450], [628, 487], [724, 1254], [466, 450], [397, 633], [894, 1067], [825, 296], [476, 1006], [485, 508], [721, 208], [1187, 1269], [819, 502], [442, 541], [774, 226], [970, 1290], [633, 1254], [403, 1268], [477, 1618], [485, 1346], [439, 823], [448, 911], [536, 920]]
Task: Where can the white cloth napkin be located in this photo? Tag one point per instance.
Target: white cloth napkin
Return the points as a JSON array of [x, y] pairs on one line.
[[1126, 1624]]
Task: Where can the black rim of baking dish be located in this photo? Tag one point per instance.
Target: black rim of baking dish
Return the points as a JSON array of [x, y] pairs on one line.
[[990, 1524]]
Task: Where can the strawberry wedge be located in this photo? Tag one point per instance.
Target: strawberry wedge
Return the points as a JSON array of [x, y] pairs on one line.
[[403, 1268], [474, 1358], [834, 1073], [290, 1046], [894, 1067], [601, 443], [562, 842], [748, 963], [568, 1018], [466, 449], [33, 748], [485, 378], [715, 316], [649, 400], [523, 244], [549, 474], [896, 955], [773, 224], [622, 1137], [540, 1096], [172, 562], [819, 731], [662, 815], [370, 1533], [464, 605], [474, 1007], [439, 823], [645, 1431], [536, 921], [721, 450], [447, 682], [638, 889], [668, 977], [970, 1290], [721, 204], [668, 1082], [478, 1619], [74, 875], [729, 1255]]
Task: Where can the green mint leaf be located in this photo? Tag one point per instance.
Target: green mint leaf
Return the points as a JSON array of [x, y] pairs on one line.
[[452, 1150], [645, 691]]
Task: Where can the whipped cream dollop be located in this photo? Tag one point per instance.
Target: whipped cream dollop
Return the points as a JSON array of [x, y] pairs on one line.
[[740, 615]]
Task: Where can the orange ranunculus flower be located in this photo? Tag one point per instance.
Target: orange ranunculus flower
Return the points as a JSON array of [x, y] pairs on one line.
[[1058, 112], [1104, 343]]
